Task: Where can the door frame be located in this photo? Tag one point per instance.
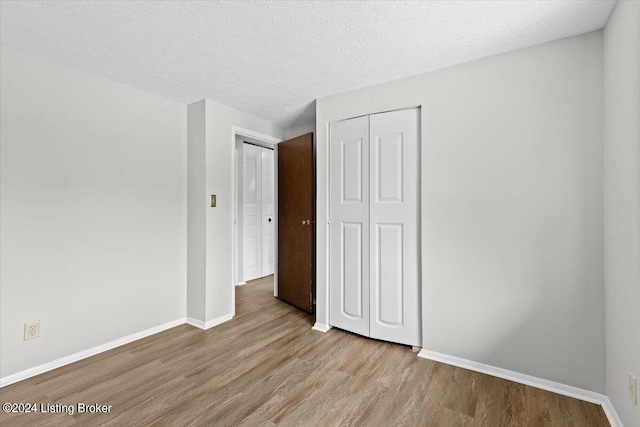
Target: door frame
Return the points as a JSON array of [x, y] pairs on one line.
[[263, 140]]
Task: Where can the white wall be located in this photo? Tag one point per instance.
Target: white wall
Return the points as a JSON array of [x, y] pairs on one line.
[[512, 257], [622, 203], [93, 200], [197, 213], [299, 130], [218, 222]]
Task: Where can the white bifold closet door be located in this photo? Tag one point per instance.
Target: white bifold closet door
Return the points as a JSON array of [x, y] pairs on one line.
[[258, 210], [374, 226], [349, 225]]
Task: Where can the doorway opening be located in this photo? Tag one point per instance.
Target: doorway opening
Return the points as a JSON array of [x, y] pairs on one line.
[[260, 174], [261, 250]]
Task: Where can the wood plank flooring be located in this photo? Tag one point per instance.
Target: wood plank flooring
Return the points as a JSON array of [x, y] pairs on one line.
[[267, 367]]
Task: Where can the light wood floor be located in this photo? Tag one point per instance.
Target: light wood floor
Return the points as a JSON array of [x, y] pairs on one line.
[[267, 367]]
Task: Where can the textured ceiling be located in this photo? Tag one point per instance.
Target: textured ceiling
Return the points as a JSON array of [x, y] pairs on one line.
[[272, 59]]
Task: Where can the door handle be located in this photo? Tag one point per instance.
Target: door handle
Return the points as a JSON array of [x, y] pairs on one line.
[[306, 222]]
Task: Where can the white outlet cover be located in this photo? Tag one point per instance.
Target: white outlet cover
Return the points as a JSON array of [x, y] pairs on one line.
[[31, 330]]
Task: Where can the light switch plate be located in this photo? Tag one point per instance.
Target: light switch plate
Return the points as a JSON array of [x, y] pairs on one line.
[[633, 388]]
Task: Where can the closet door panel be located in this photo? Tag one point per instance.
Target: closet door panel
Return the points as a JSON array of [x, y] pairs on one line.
[[352, 284], [394, 218], [349, 225], [390, 255]]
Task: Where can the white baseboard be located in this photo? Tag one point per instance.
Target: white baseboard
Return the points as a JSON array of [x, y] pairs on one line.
[[218, 320], [57, 363], [241, 284], [41, 369], [563, 389], [320, 327], [210, 323], [610, 412], [195, 322]]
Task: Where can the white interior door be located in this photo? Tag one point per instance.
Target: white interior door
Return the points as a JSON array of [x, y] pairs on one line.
[[394, 218], [349, 227], [374, 194], [252, 212], [268, 213]]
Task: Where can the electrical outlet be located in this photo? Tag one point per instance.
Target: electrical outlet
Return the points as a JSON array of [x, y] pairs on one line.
[[31, 330], [633, 388]]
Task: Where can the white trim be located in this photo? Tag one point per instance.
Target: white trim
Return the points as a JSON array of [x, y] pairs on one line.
[[218, 320], [241, 284], [552, 386], [209, 323], [195, 322], [234, 221], [610, 412], [62, 361], [275, 225], [322, 254], [321, 327], [237, 130]]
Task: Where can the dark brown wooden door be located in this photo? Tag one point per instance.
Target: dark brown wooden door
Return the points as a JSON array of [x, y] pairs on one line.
[[296, 222]]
